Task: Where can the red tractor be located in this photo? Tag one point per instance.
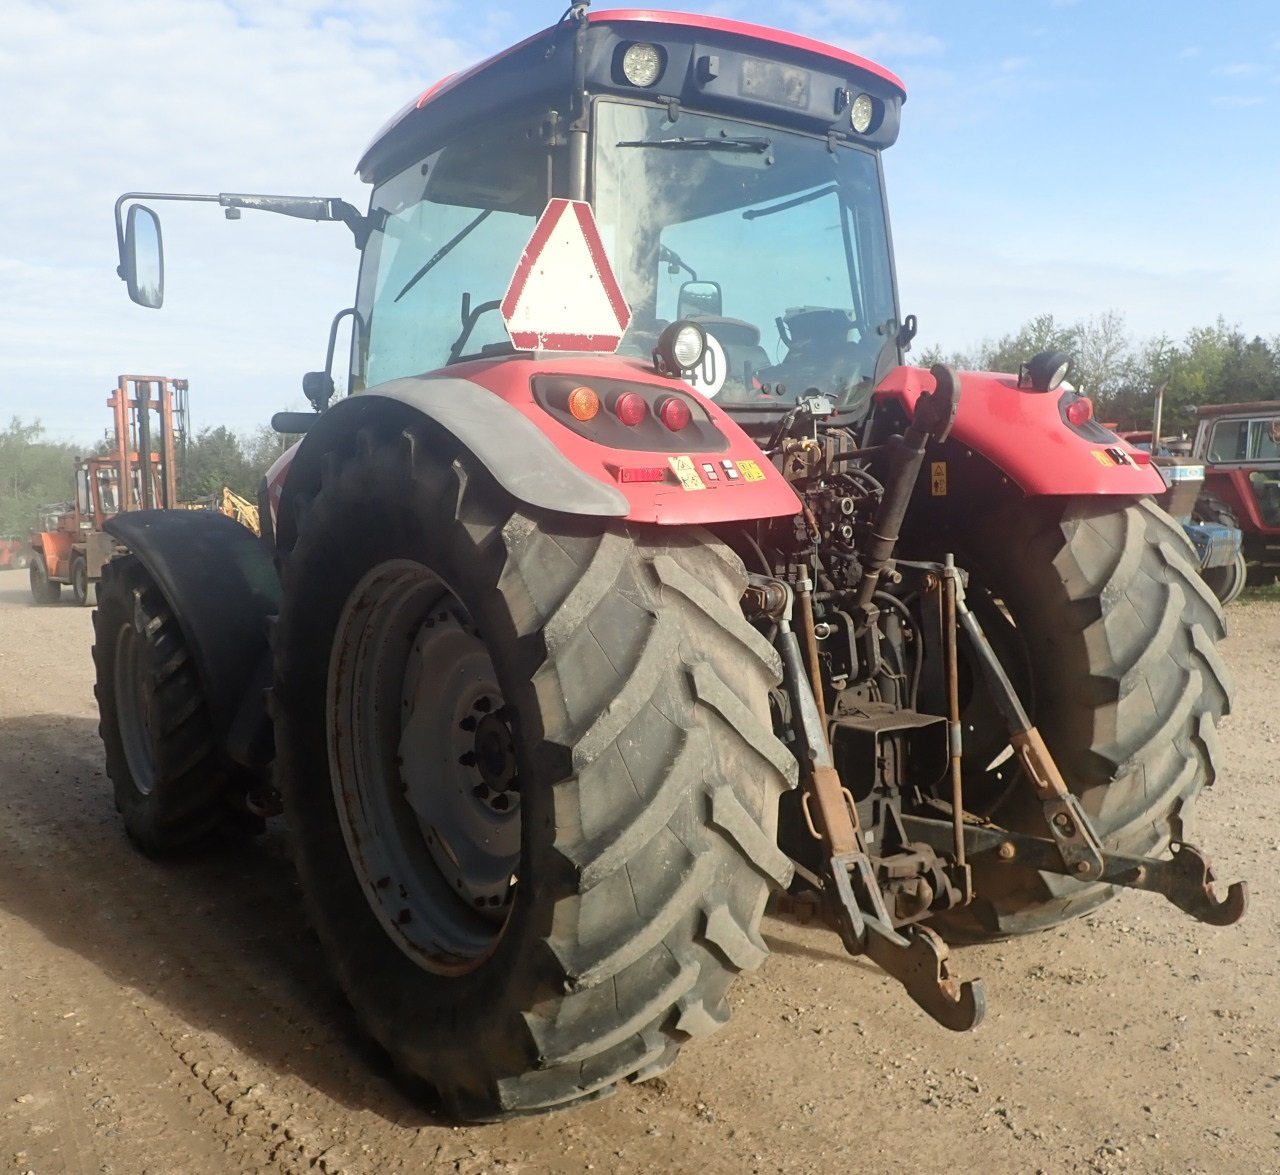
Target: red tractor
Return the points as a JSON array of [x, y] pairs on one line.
[[1239, 445], [631, 589]]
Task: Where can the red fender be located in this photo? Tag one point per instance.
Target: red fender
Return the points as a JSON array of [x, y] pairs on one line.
[[490, 407], [1022, 433], [731, 485]]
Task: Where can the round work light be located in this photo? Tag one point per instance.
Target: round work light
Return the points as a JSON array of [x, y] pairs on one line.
[[642, 64], [861, 113], [1044, 371], [681, 347]]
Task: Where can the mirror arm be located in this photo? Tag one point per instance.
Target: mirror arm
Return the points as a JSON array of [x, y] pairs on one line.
[[306, 207]]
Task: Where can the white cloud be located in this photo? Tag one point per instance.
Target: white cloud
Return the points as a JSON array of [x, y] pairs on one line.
[[202, 95], [877, 29], [1240, 69]]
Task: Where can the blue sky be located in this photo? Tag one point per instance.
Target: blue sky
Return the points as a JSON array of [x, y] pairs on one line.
[[1062, 156]]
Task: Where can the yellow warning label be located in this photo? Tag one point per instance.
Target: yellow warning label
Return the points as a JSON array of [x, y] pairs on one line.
[[750, 471], [1101, 457], [938, 478], [687, 472]]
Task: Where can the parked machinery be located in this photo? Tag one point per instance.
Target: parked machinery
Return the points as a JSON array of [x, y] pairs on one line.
[[69, 544], [1239, 445]]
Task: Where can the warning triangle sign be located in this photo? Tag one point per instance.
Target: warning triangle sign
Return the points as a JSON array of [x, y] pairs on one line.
[[564, 295]]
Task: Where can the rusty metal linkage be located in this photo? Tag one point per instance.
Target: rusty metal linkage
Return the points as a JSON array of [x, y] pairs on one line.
[[951, 589], [1077, 843], [915, 956], [1186, 880]]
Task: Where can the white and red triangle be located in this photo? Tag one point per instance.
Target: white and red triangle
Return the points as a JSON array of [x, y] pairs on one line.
[[564, 295]]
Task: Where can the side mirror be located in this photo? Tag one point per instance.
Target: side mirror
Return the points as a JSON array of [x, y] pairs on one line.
[[142, 262], [699, 300]]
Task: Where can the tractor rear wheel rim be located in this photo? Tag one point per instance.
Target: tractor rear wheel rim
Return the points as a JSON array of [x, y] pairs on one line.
[[133, 708], [423, 767]]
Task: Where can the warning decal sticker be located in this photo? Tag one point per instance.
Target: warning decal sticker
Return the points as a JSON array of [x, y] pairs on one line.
[[938, 478], [751, 471], [687, 472]]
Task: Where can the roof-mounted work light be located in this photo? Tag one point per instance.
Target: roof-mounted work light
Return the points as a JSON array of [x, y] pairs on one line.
[[642, 64]]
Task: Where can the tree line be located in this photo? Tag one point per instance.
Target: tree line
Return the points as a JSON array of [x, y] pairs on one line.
[[1216, 364], [1210, 365], [36, 470]]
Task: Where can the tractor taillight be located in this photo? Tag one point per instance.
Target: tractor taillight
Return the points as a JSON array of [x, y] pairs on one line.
[[583, 403], [630, 408], [1080, 411], [674, 413]]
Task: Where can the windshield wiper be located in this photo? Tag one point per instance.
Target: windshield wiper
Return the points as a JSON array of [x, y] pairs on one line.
[[441, 253], [756, 144], [816, 194]]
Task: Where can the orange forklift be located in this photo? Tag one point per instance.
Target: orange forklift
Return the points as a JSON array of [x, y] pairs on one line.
[[69, 545]]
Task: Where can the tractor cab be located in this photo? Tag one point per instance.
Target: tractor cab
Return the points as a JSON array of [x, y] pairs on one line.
[[734, 176], [735, 183], [1239, 445]]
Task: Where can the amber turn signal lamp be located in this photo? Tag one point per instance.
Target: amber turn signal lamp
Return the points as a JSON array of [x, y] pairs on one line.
[[583, 403]]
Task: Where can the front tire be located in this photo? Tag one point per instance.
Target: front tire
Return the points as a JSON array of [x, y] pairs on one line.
[[44, 591], [613, 693], [1118, 635], [83, 592], [154, 723], [1227, 582]]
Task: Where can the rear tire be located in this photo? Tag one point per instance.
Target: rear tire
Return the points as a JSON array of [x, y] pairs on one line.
[[154, 723], [632, 730], [44, 591], [1126, 687]]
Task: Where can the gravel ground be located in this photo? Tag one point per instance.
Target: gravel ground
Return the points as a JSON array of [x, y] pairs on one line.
[[177, 1017]]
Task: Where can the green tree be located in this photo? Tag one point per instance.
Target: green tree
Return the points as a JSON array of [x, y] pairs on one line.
[[33, 472], [1215, 364], [215, 458], [265, 445]]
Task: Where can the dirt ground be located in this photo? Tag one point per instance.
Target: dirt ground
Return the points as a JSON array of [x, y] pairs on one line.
[[177, 1018]]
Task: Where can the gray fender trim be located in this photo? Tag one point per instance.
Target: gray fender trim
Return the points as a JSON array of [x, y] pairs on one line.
[[517, 454], [220, 581]]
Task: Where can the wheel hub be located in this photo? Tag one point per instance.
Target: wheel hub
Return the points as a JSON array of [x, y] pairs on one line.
[[424, 767]]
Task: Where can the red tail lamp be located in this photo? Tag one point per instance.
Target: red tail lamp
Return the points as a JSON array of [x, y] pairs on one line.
[[583, 403], [674, 413], [630, 408], [1080, 411]]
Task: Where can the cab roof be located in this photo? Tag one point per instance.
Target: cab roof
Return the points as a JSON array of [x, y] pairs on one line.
[[542, 63]]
